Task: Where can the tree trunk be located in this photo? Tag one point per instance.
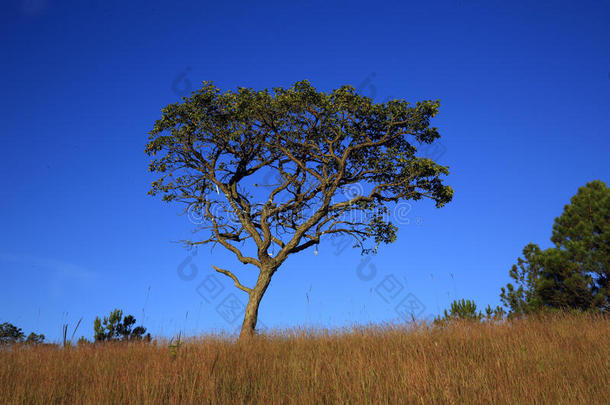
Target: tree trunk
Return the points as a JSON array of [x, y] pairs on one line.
[[251, 315]]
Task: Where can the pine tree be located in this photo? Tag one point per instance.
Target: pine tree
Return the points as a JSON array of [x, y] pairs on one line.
[[573, 274]]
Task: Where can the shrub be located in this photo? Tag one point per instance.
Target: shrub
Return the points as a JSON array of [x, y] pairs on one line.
[[115, 328], [466, 310]]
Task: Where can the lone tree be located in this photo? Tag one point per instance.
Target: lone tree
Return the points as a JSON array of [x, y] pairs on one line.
[[210, 149]]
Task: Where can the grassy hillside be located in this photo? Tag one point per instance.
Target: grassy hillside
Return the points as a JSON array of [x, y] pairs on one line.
[[554, 360]]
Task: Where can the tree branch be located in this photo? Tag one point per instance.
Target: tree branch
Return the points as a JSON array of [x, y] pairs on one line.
[[232, 276]]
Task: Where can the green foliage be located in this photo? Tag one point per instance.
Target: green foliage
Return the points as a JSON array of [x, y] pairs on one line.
[[10, 334], [466, 310], [115, 327], [208, 147], [35, 339], [496, 313], [523, 298], [174, 346], [583, 232], [83, 341], [574, 274]]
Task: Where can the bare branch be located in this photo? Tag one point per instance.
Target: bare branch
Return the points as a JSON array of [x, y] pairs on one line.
[[232, 276]]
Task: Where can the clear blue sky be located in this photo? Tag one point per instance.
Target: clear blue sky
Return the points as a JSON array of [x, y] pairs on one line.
[[525, 114]]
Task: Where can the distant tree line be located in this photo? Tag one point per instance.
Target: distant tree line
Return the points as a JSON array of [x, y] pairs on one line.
[[10, 334], [111, 328]]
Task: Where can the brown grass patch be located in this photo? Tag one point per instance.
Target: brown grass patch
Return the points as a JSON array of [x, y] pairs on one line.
[[556, 360]]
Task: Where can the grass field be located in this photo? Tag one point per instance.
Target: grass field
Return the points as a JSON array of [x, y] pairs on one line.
[[552, 360]]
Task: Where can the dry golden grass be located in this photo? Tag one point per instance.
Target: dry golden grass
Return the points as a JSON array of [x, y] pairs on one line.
[[550, 360]]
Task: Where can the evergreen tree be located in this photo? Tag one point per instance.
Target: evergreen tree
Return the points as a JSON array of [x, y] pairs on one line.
[[466, 310], [574, 273], [115, 327], [583, 232]]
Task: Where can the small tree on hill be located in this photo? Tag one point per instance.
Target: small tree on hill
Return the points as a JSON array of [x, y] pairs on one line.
[[212, 149], [115, 327], [466, 310]]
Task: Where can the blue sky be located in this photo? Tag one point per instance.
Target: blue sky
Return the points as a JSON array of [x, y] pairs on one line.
[[524, 118]]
